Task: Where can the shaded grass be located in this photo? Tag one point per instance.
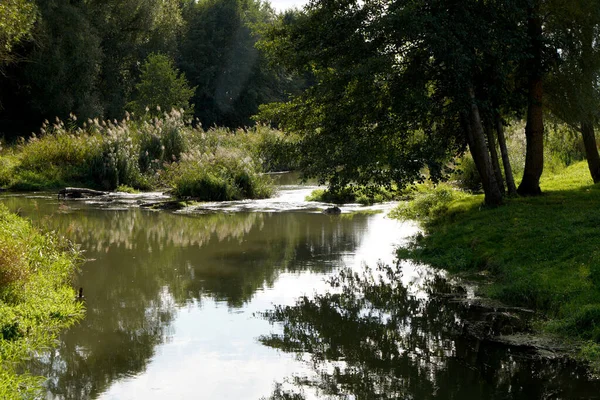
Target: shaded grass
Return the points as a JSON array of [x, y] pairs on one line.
[[542, 252], [36, 300]]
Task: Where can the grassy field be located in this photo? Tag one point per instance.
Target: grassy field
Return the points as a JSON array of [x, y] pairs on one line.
[[540, 252], [36, 299]]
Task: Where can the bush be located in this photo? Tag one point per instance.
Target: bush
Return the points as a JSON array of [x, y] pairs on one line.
[[227, 174], [429, 204], [36, 299], [466, 175]]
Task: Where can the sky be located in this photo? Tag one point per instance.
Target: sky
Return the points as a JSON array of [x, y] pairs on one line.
[[282, 5]]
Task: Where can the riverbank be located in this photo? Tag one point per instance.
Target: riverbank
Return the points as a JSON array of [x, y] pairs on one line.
[[538, 252], [36, 299], [211, 165]]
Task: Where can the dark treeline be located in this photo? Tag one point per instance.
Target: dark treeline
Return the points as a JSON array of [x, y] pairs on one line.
[[86, 56]]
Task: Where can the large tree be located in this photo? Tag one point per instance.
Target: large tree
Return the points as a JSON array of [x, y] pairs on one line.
[[573, 87], [62, 71], [401, 85], [129, 31]]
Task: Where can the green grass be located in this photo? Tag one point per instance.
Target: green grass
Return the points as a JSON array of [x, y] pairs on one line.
[[542, 252], [36, 300]]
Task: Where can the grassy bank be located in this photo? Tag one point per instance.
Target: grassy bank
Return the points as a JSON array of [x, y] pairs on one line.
[[541, 252], [213, 164], [36, 299]]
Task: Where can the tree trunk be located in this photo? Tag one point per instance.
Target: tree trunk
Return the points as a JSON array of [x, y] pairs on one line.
[[591, 150], [491, 141], [481, 156], [534, 130], [589, 72], [510, 181]]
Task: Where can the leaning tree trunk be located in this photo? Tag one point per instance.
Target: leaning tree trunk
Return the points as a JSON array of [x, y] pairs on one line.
[[491, 141], [534, 130], [510, 181], [591, 150], [481, 156]]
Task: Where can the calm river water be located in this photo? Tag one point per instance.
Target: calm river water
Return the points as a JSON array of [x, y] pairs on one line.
[[176, 301]]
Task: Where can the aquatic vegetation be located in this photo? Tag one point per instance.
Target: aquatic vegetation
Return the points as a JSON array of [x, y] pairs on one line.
[[36, 300]]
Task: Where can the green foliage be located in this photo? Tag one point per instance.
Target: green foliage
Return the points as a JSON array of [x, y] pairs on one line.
[[161, 87], [466, 175], [218, 55], [63, 70], [540, 252], [429, 204], [36, 300], [365, 195], [130, 30], [17, 18]]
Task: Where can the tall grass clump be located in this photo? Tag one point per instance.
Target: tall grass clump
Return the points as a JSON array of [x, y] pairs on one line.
[[226, 174], [36, 300]]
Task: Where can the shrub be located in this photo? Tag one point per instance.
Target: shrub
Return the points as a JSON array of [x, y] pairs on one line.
[[227, 174], [429, 203], [466, 175], [109, 154], [36, 300]]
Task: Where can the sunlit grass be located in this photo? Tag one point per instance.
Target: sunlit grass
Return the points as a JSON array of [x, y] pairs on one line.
[[542, 252]]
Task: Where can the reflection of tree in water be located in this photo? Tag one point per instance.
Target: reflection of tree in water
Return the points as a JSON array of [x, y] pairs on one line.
[[370, 339], [144, 265]]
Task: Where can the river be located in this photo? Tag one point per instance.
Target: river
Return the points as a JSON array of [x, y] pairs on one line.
[[178, 308]]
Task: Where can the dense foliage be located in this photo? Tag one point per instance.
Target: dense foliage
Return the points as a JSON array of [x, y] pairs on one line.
[[406, 85], [93, 57], [36, 299]]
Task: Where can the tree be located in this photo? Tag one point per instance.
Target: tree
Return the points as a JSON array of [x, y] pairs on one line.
[[400, 86], [62, 71], [218, 55], [129, 31], [573, 89], [162, 86], [17, 18]]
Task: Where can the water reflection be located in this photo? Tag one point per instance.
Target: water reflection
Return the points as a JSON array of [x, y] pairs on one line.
[[370, 338], [145, 266]]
